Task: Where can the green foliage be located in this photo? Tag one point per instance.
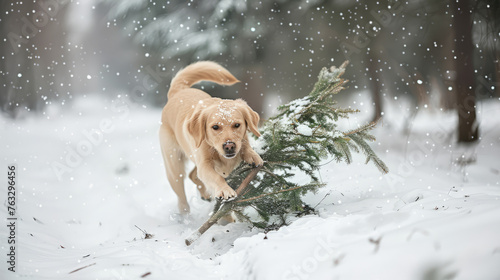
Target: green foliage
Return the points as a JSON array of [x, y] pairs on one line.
[[293, 145]]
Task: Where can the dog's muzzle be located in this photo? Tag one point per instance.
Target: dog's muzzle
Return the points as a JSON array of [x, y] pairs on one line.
[[229, 149]]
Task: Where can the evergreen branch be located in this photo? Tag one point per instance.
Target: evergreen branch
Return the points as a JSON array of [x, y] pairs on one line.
[[344, 149], [268, 194], [330, 90], [270, 173], [248, 179], [363, 128], [370, 154]]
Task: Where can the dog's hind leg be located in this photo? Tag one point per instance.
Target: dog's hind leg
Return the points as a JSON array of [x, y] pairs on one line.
[[174, 165], [205, 195]]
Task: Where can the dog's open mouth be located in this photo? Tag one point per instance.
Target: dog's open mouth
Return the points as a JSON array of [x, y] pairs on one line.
[[229, 156]]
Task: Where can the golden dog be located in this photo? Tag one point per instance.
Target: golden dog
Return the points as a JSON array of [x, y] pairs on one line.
[[211, 132]]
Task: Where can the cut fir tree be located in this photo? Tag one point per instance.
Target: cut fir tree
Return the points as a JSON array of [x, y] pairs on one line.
[[293, 144]]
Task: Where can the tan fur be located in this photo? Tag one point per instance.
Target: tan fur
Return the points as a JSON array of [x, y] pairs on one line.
[[187, 132]]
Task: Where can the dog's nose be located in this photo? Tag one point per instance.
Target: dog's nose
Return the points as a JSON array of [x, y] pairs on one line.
[[229, 147]]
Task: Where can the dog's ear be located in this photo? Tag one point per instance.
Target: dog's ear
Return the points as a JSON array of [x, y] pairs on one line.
[[251, 117], [196, 127]]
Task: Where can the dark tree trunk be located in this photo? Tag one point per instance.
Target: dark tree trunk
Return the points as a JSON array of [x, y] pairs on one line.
[[465, 79], [375, 80], [497, 73]]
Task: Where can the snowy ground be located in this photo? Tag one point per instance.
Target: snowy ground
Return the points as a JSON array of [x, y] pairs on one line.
[[81, 194]]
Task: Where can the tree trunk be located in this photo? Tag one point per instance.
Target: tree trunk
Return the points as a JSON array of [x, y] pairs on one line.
[[465, 78], [376, 87], [497, 73]]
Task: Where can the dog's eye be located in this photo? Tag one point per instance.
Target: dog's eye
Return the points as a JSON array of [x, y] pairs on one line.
[[237, 125], [215, 127]]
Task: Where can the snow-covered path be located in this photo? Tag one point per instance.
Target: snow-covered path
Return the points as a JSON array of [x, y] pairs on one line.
[[82, 196]]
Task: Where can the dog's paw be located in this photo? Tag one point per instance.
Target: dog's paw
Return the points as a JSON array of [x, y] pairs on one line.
[[226, 194], [253, 159]]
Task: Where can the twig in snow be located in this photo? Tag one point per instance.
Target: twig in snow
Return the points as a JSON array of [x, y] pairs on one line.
[[376, 242], [38, 221], [78, 269], [337, 261], [452, 189], [146, 235], [322, 199]]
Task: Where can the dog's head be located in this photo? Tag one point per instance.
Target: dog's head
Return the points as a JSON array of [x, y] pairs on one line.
[[223, 125]]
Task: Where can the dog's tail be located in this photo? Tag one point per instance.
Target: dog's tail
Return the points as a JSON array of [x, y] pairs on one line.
[[200, 71]]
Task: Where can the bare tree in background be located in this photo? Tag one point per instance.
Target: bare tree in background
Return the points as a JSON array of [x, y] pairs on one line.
[[468, 128]]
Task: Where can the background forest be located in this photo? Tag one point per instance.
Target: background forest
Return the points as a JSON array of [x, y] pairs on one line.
[[439, 54]]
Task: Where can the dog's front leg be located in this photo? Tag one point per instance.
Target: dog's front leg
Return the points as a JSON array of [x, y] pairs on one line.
[[215, 182]]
